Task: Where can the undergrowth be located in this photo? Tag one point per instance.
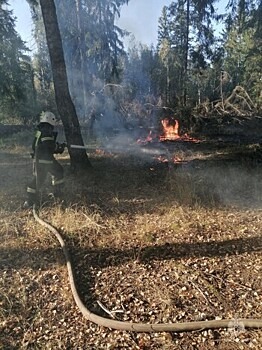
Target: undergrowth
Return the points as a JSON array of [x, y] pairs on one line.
[[151, 241]]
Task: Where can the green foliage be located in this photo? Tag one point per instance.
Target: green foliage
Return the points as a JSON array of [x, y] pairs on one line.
[[181, 73], [185, 46], [43, 79], [243, 53], [15, 71], [92, 45], [193, 58]]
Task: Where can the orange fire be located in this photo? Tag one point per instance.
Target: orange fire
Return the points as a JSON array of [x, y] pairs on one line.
[[170, 130], [150, 137]]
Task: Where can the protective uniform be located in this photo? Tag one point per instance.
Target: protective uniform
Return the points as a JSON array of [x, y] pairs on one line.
[[44, 147]]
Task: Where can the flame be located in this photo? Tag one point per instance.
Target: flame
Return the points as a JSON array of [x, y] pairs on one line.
[[170, 130], [150, 137], [165, 159]]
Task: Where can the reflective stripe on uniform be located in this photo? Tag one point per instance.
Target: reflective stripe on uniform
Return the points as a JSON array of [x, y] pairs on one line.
[[57, 182], [37, 137], [30, 190], [38, 134], [47, 138], [43, 161]]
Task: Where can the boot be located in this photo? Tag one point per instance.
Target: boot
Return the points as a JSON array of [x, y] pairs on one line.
[[28, 204], [31, 200], [57, 191]]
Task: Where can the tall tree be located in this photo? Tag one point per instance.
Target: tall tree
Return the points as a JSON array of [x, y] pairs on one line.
[[243, 47], [41, 63], [15, 73], [64, 102], [188, 24], [92, 44]]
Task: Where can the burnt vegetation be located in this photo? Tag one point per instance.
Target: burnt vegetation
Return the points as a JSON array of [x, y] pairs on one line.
[[153, 239], [165, 225]]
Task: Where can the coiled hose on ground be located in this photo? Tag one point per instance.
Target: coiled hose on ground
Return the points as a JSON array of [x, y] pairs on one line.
[[138, 327]]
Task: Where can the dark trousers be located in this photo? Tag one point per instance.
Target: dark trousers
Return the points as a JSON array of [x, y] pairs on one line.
[[41, 171]]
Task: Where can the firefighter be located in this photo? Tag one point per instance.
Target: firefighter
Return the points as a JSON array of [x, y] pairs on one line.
[[44, 147]]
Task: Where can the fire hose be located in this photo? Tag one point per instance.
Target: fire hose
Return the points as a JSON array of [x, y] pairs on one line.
[[139, 327]]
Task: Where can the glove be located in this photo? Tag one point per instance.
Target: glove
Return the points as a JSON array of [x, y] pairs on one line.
[[60, 147]]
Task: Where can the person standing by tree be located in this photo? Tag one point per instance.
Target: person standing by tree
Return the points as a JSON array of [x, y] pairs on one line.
[[44, 147]]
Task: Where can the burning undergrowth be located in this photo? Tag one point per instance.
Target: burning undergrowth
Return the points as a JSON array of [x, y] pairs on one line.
[[161, 145], [150, 243]]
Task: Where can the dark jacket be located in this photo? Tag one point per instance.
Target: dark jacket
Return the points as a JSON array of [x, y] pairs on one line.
[[44, 144]]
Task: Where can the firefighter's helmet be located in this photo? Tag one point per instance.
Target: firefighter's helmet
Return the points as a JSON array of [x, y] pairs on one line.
[[48, 117]]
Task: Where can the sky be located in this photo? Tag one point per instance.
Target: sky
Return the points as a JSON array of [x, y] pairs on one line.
[[24, 26], [140, 17]]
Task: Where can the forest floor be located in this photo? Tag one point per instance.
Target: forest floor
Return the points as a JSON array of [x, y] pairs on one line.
[[153, 241]]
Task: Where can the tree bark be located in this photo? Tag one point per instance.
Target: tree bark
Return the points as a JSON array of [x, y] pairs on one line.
[[81, 54], [79, 159], [186, 52]]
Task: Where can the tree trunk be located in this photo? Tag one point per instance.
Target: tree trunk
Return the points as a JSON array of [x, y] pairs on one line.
[[65, 106], [186, 52], [80, 39]]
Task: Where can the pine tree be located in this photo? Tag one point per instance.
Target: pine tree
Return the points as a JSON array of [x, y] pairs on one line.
[[92, 45], [13, 71], [243, 47], [188, 29]]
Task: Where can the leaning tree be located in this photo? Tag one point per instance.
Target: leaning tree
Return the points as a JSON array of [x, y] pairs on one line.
[[66, 109]]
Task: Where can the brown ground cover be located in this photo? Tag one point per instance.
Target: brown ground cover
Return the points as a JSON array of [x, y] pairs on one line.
[[150, 241]]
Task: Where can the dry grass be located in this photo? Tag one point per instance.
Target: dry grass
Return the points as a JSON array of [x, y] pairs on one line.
[[151, 243]]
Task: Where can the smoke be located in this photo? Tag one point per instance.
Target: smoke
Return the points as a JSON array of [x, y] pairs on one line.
[[227, 184], [238, 185], [118, 114], [143, 27], [105, 107]]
